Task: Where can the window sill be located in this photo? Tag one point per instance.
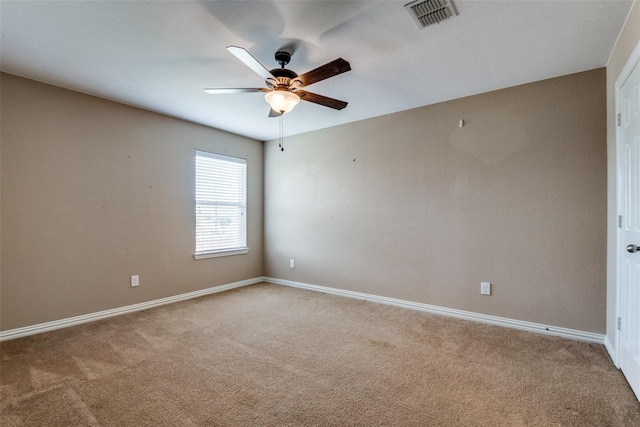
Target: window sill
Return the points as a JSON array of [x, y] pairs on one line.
[[217, 254]]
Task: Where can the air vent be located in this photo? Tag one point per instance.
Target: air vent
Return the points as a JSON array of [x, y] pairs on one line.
[[428, 12]]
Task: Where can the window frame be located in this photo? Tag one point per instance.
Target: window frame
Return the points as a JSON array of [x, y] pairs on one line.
[[220, 251]]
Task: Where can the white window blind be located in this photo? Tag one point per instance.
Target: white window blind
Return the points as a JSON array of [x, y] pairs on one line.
[[221, 205]]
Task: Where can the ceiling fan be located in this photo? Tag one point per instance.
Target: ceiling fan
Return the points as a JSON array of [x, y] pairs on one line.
[[283, 85]]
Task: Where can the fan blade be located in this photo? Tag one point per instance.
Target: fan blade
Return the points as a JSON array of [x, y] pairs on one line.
[[274, 113], [220, 90], [321, 100], [325, 71], [250, 61]]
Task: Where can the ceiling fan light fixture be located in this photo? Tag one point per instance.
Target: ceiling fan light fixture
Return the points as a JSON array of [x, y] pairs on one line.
[[282, 101]]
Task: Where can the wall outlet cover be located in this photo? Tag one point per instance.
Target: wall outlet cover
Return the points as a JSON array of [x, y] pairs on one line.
[[485, 288]]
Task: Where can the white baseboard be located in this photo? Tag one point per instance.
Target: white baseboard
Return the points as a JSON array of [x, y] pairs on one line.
[[468, 315], [460, 314], [77, 320]]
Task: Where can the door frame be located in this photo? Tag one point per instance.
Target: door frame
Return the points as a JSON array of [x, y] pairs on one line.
[[632, 62]]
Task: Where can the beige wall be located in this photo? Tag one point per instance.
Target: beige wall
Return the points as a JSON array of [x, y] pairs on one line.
[[94, 192], [627, 41], [411, 206], [407, 205]]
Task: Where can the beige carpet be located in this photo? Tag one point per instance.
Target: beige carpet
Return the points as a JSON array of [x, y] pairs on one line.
[[267, 355]]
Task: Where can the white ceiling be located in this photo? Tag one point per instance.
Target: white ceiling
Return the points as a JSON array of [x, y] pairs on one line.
[[160, 55]]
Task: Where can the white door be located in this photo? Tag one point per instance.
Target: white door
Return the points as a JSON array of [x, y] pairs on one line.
[[629, 109]]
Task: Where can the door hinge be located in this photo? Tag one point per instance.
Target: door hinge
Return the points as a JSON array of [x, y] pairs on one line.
[[619, 323], [619, 119], [619, 221]]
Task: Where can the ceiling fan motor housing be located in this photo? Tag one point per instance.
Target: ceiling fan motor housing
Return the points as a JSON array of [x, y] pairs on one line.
[[283, 77], [283, 72]]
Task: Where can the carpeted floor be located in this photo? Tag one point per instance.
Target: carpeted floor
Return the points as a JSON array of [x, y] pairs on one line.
[[267, 355]]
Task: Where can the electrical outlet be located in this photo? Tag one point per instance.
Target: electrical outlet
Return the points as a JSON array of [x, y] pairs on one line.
[[485, 288], [292, 263], [135, 281]]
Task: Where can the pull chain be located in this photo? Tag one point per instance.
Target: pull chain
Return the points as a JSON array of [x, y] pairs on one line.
[[281, 143]]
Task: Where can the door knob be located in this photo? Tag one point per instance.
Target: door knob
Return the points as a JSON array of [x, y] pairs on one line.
[[632, 248]]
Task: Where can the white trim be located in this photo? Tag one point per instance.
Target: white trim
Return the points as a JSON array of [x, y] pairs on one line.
[[610, 350], [85, 318], [460, 314], [632, 62], [225, 252], [222, 157]]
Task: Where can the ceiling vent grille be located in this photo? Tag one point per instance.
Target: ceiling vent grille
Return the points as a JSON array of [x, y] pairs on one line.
[[428, 12]]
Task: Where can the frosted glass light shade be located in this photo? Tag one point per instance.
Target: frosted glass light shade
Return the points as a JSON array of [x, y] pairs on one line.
[[282, 101]]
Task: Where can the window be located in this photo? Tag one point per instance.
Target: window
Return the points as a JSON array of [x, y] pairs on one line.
[[221, 205]]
